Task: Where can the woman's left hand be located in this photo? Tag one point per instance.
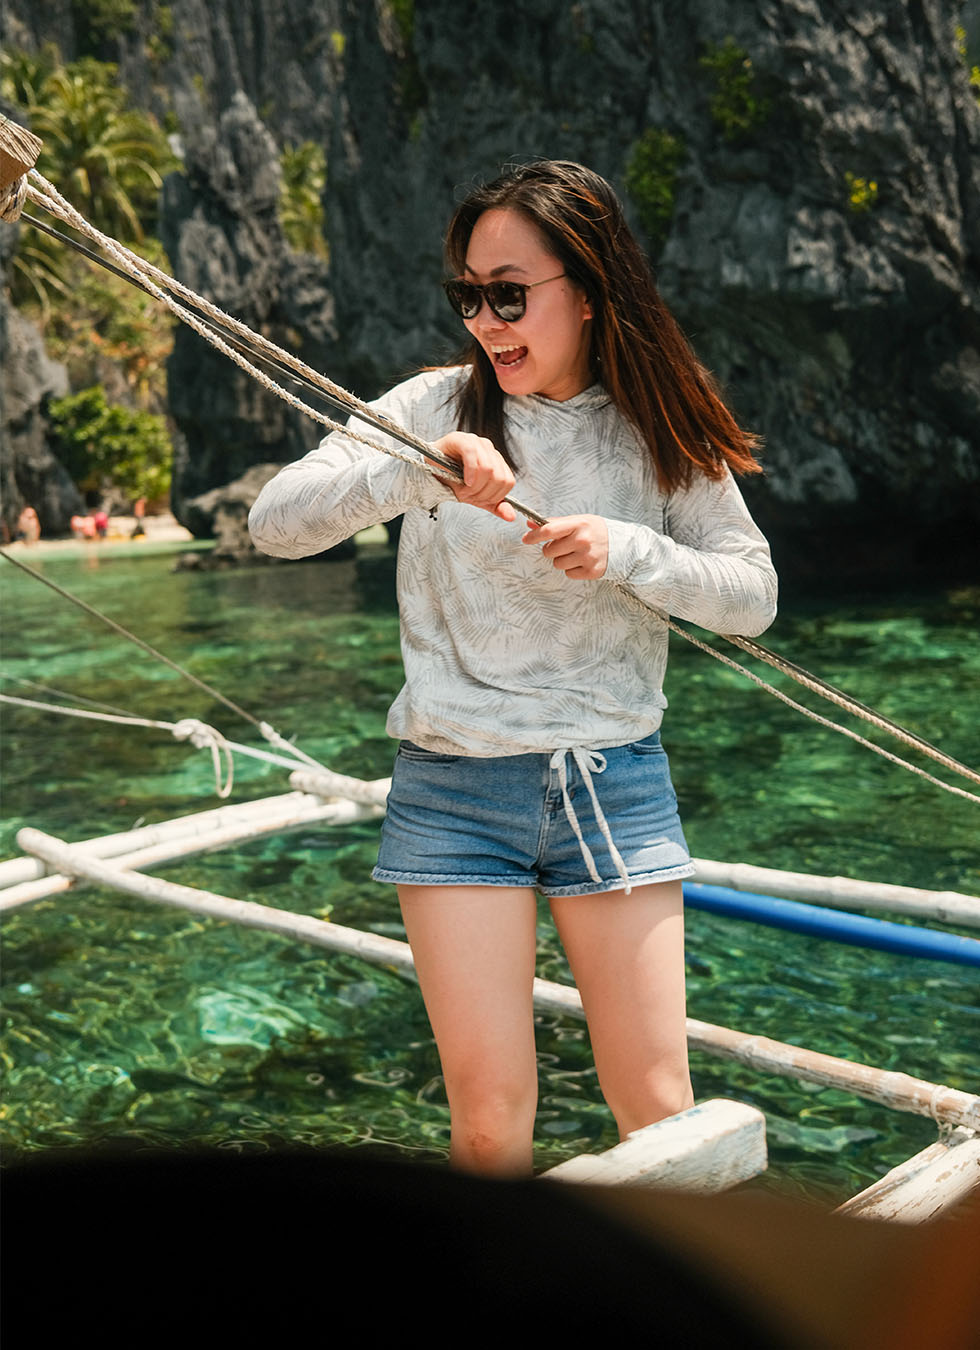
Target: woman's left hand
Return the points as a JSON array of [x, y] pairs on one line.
[[578, 545]]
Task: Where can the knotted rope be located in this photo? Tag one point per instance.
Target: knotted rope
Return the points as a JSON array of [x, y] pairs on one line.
[[12, 199], [212, 738], [200, 734]]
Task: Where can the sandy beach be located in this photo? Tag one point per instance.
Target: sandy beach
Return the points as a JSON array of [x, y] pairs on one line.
[[162, 529]]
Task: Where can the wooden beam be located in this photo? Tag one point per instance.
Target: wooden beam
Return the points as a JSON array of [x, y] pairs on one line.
[[924, 1187], [900, 1091], [309, 811], [326, 783], [951, 907], [15, 870], [709, 1148], [897, 1090]]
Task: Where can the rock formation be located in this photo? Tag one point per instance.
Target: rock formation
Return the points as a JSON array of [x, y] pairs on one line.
[[222, 233], [821, 244], [824, 248], [29, 473], [223, 514]]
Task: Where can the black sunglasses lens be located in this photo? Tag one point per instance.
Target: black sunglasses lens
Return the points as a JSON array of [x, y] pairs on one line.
[[464, 298], [507, 300]]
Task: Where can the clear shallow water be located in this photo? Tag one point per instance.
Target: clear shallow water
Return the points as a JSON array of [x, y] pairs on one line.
[[123, 1020]]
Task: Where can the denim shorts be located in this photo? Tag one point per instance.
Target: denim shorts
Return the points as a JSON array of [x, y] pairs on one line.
[[460, 820]]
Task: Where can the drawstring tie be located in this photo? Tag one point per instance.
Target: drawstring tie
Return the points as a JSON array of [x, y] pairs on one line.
[[589, 762]]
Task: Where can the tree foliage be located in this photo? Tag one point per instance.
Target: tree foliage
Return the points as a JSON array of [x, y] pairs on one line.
[[102, 444], [106, 158]]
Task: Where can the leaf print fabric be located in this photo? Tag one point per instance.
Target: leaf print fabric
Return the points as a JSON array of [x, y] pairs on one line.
[[503, 653]]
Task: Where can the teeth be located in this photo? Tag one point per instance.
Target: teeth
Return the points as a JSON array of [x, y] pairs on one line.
[[498, 350]]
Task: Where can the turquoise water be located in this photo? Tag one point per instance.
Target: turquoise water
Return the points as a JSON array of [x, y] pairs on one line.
[[127, 1021]]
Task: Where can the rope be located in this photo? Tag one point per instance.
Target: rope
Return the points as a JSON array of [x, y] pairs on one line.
[[835, 726], [845, 701], [152, 280], [124, 632], [12, 200], [63, 693], [157, 283], [238, 340], [267, 731], [200, 734]]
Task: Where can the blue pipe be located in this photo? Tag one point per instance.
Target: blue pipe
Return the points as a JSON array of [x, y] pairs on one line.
[[833, 924]]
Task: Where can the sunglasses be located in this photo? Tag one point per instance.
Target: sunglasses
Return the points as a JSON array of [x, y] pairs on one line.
[[507, 299]]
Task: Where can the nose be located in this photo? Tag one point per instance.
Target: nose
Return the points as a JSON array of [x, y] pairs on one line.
[[485, 319]]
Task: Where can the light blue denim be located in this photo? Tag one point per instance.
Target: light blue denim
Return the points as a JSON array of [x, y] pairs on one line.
[[459, 820]]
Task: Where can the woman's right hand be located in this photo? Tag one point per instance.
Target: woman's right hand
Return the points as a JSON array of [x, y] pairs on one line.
[[487, 477]]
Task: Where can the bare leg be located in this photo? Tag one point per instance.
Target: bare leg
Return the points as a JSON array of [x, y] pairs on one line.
[[474, 949], [627, 957]]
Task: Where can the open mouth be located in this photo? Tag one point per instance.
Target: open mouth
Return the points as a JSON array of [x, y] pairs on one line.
[[508, 357]]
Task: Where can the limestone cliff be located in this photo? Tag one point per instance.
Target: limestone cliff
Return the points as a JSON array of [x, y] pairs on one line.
[[821, 242], [30, 475]]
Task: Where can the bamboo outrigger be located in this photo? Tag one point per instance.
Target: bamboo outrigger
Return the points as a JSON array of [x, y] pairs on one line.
[[715, 1145]]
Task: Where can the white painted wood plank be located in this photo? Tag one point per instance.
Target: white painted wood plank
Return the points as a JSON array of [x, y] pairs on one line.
[[326, 783], [709, 1148], [924, 1186]]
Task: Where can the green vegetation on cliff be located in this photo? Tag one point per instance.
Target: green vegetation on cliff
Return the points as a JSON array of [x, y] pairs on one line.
[[739, 103], [108, 159], [304, 177], [967, 58], [107, 445], [651, 178]]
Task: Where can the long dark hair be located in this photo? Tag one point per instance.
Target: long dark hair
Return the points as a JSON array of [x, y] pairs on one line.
[[638, 352]]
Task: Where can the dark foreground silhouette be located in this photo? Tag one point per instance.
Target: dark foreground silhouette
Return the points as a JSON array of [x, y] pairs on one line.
[[286, 1248]]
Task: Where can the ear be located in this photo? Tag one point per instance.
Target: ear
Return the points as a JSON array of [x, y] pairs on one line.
[[587, 308]]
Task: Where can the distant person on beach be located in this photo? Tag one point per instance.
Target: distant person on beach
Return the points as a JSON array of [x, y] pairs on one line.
[[28, 526], [139, 511], [83, 527], [101, 522], [529, 723]]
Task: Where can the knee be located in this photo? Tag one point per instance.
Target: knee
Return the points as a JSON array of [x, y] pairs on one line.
[[490, 1113], [490, 1104]]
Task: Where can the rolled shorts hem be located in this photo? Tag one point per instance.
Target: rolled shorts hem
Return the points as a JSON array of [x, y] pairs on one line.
[[585, 888], [449, 878]]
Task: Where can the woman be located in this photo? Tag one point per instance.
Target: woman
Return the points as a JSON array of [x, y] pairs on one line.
[[530, 757]]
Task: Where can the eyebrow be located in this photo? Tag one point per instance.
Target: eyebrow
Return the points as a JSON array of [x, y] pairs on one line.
[[498, 271]]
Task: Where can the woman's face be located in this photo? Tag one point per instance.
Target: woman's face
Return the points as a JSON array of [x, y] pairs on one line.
[[547, 351]]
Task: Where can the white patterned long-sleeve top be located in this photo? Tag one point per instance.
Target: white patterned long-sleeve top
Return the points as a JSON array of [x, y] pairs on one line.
[[503, 653]]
